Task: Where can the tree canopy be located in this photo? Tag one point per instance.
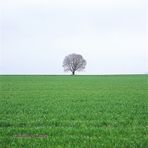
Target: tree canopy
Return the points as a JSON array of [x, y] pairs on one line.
[[74, 62]]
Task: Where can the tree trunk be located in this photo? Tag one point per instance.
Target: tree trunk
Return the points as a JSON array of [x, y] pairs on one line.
[[73, 73]]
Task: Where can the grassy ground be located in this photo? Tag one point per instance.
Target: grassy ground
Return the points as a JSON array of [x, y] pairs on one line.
[[79, 111]]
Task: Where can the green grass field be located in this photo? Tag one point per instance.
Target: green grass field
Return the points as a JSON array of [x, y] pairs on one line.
[[74, 111]]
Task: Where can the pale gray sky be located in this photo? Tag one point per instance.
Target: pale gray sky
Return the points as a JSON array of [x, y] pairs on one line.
[[36, 35]]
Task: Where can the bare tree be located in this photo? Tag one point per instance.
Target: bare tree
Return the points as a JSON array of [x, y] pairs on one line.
[[74, 62]]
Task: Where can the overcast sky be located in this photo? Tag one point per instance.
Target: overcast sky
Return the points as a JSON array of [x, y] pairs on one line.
[[36, 35]]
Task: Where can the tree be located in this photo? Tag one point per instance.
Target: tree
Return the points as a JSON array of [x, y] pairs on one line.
[[74, 62]]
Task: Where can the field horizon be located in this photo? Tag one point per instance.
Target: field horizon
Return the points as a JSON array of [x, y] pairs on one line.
[[74, 75]]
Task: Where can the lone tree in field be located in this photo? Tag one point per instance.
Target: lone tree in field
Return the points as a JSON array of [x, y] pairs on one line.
[[74, 62]]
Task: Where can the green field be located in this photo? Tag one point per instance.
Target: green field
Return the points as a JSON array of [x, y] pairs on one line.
[[74, 111]]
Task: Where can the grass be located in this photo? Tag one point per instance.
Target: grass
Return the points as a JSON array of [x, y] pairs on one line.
[[79, 111]]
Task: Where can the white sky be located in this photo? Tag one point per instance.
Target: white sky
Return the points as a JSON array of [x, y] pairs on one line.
[[36, 35]]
